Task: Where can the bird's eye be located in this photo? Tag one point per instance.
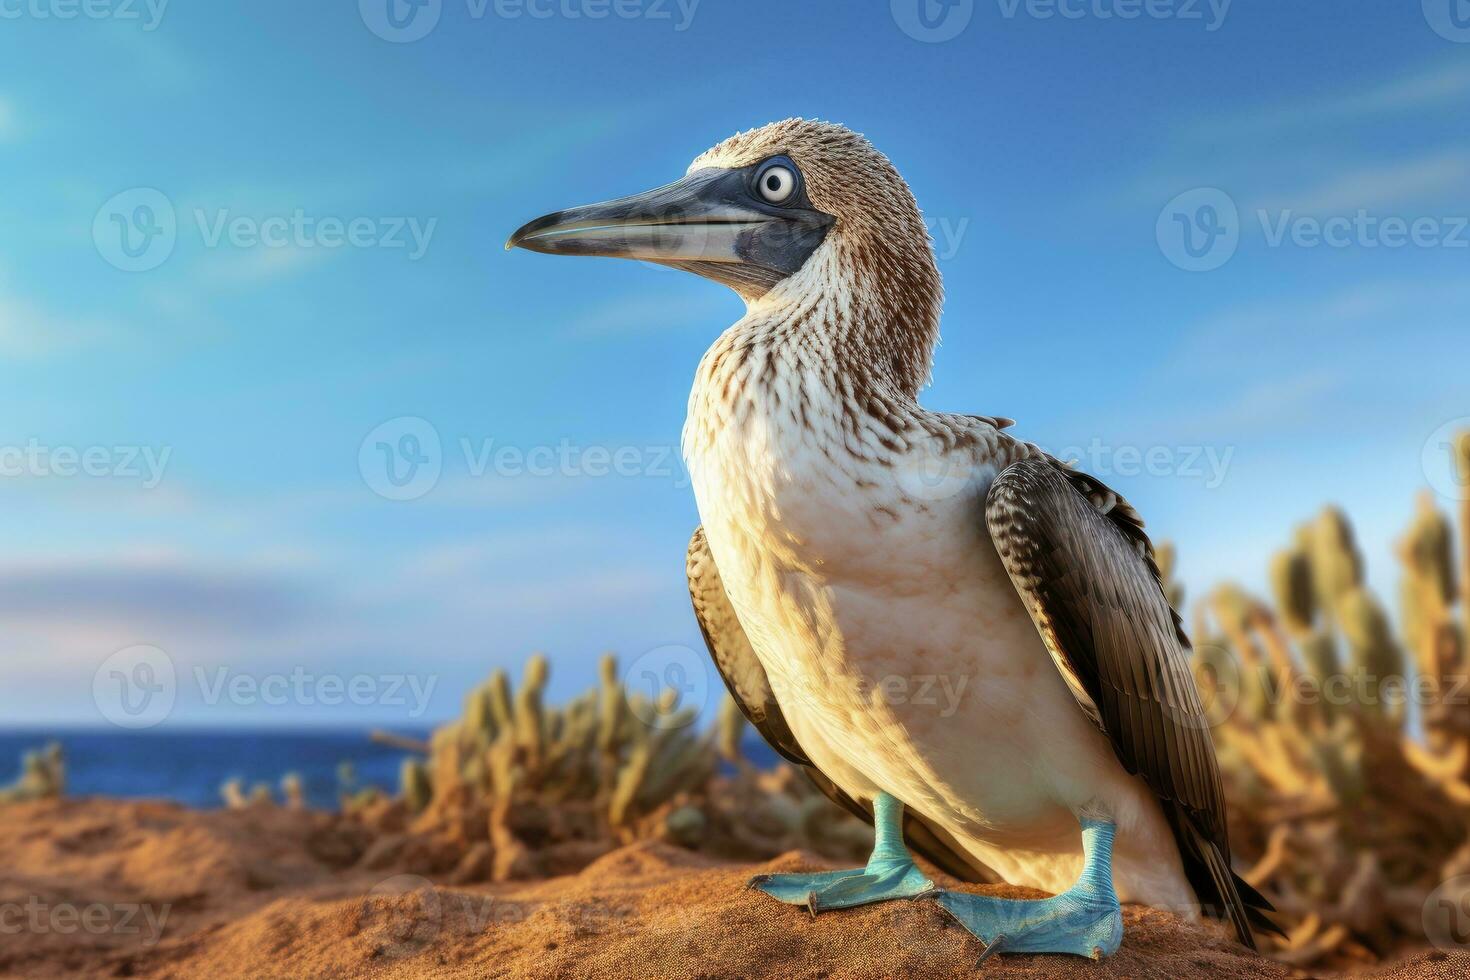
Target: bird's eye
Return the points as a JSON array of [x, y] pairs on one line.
[[777, 184]]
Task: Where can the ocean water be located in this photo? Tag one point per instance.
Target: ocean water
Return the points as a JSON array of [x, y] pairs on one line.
[[190, 766]]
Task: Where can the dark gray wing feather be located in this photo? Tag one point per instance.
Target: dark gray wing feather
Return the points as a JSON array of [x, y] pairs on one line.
[[1078, 555], [746, 680]]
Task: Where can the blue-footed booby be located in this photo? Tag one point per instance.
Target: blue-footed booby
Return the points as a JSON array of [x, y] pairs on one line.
[[858, 552]]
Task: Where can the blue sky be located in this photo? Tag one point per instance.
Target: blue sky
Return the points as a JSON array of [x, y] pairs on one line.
[[314, 215]]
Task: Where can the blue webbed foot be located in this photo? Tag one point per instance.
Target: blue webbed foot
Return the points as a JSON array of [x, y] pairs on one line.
[[890, 872], [1085, 920], [1068, 923], [825, 890]]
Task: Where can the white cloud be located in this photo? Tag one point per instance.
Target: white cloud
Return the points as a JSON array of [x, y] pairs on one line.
[[1376, 188], [1429, 89], [29, 331]]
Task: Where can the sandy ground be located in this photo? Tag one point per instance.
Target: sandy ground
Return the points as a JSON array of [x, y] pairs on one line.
[[116, 889]]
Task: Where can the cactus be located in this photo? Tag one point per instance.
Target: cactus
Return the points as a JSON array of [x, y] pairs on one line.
[[292, 791], [498, 692], [233, 793], [1461, 453], [415, 785], [1291, 584], [1376, 659], [479, 725], [731, 728], [529, 719], [414, 782], [1167, 557], [1336, 566], [1351, 816], [548, 786], [42, 777]]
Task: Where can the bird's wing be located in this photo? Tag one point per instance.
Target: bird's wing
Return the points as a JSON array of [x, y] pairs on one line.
[[1078, 555], [746, 680]]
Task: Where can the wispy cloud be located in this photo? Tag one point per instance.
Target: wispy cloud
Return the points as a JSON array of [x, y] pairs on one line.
[[149, 595], [1411, 181], [28, 330], [251, 267], [1262, 326], [1433, 88]]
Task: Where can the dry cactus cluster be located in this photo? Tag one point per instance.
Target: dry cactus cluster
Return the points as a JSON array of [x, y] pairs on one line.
[[42, 777], [517, 788], [1343, 736], [1344, 740]]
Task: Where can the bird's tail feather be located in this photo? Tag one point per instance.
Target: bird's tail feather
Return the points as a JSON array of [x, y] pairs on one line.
[[1222, 893]]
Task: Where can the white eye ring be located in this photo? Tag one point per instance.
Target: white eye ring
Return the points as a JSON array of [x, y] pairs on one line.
[[777, 184]]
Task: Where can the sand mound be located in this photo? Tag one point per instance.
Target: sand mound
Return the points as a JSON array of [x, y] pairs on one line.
[[273, 893]]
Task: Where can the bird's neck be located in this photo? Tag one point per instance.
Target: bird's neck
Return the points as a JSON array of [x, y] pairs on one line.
[[840, 348]]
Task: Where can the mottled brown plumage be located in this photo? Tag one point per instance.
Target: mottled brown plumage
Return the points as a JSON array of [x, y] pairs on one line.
[[1079, 556]]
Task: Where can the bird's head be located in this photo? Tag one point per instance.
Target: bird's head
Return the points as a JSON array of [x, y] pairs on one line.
[[781, 214]]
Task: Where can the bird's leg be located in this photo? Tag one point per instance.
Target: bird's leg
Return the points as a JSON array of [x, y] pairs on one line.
[[890, 872], [1085, 920]]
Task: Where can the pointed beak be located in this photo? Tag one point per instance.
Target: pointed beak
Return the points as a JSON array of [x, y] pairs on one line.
[[709, 223], [697, 219]]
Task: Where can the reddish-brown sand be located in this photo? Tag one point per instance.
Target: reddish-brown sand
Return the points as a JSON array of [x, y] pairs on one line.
[[97, 888]]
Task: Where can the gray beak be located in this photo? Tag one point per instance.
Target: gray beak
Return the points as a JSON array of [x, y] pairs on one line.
[[710, 223]]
